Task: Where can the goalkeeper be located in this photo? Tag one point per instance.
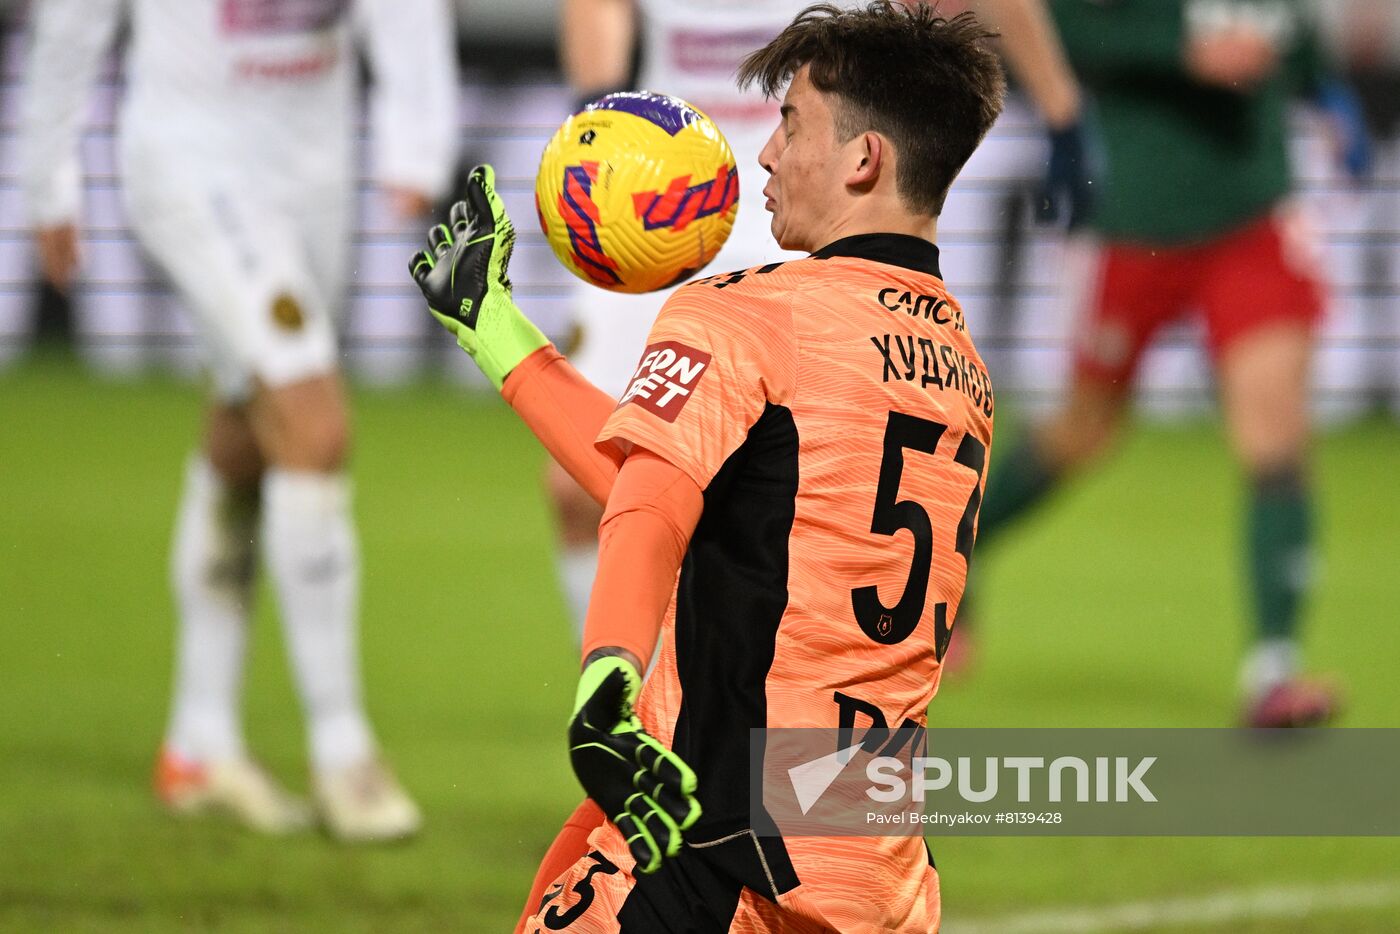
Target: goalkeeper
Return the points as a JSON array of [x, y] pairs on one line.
[[741, 471]]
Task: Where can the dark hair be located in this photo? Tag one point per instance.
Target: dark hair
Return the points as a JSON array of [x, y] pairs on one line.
[[928, 84]]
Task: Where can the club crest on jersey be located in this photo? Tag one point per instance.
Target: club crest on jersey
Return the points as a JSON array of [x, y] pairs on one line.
[[579, 212], [683, 202], [666, 378], [287, 313]]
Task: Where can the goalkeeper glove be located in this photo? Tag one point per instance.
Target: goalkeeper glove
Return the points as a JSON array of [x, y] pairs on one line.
[[644, 787], [463, 275]]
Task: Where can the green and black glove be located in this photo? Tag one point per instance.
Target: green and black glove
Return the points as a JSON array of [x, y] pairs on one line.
[[645, 788], [463, 275]]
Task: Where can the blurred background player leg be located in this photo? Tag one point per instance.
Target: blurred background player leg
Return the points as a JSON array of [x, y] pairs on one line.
[[279, 436], [301, 421], [1263, 367], [318, 575], [1224, 252], [1263, 305], [204, 763], [1264, 396], [313, 555]]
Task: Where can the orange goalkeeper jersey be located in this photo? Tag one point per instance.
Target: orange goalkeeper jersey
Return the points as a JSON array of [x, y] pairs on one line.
[[837, 417]]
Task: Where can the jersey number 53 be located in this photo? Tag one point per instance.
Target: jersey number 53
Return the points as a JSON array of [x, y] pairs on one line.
[[893, 624]]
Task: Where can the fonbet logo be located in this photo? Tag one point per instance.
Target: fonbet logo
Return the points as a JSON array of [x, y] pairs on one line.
[[1117, 780], [666, 378]]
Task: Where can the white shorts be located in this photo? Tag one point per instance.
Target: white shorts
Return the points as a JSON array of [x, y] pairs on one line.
[[263, 277], [612, 327]]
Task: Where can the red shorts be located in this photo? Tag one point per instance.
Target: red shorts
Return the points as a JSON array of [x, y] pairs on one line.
[[1259, 275]]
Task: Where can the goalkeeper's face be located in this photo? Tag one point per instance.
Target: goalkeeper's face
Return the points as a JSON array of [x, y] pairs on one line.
[[815, 178]]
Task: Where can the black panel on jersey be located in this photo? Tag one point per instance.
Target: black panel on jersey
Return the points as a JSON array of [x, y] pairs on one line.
[[914, 253], [696, 892], [731, 596]]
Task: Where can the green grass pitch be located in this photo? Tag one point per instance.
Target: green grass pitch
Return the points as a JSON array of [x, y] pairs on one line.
[[1120, 606]]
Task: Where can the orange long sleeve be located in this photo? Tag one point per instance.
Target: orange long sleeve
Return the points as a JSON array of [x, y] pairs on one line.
[[646, 529], [652, 505], [566, 412]]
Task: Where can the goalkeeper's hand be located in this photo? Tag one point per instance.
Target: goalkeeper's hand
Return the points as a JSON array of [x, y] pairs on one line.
[[647, 791], [463, 275]]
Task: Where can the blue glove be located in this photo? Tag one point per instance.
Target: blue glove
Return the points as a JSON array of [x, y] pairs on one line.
[[1343, 109], [1066, 186]]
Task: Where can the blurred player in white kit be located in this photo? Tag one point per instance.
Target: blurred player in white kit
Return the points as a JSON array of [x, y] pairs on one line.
[[691, 49], [236, 147]]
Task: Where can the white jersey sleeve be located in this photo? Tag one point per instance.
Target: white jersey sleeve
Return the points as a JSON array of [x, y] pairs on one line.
[[413, 103], [69, 39]]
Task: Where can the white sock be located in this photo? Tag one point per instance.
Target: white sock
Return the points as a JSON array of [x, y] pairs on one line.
[[1268, 663], [578, 564], [314, 561], [212, 563]]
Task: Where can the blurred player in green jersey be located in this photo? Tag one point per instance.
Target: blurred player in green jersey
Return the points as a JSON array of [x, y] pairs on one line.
[[1191, 103]]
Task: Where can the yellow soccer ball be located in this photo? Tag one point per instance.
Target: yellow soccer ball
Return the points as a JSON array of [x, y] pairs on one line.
[[637, 192]]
